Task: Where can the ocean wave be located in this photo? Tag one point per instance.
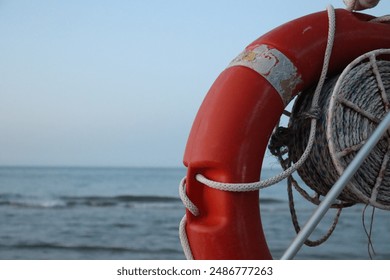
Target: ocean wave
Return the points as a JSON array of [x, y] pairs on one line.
[[114, 200], [20, 201], [86, 248], [128, 201], [271, 200]]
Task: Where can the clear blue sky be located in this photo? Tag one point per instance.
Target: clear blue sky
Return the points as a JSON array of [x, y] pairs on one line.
[[118, 83]]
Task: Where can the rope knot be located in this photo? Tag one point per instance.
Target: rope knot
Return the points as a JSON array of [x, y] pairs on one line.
[[279, 141]]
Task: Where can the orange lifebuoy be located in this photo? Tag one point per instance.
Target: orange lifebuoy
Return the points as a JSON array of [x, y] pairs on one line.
[[230, 133]]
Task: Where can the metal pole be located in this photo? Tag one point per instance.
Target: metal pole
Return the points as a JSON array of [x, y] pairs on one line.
[[336, 190]]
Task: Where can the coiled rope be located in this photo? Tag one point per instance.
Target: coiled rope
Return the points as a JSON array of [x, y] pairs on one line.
[[361, 103], [362, 95], [350, 107]]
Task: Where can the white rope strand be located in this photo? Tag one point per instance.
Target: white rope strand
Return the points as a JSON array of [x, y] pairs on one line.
[[182, 228], [186, 201], [184, 240], [385, 18]]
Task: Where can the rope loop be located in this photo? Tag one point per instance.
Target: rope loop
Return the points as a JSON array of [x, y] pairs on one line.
[[185, 199], [294, 217]]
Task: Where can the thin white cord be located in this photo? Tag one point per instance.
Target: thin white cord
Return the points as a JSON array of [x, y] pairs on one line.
[[184, 240], [188, 204], [385, 18], [186, 201]]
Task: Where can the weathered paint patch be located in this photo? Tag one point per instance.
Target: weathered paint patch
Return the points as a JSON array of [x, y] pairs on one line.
[[274, 66]]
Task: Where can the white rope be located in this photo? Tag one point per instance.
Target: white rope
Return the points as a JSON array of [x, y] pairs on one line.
[[385, 18], [184, 240], [186, 201], [244, 187], [182, 228]]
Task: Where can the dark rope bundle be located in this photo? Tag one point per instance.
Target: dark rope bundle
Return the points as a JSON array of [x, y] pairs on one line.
[[343, 126], [359, 107]]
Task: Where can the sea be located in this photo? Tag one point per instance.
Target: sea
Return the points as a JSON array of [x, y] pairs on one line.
[[82, 213]]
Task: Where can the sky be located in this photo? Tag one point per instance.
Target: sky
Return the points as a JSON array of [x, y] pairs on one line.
[[118, 83]]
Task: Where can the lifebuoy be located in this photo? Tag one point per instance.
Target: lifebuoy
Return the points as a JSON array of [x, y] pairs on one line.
[[230, 133]]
